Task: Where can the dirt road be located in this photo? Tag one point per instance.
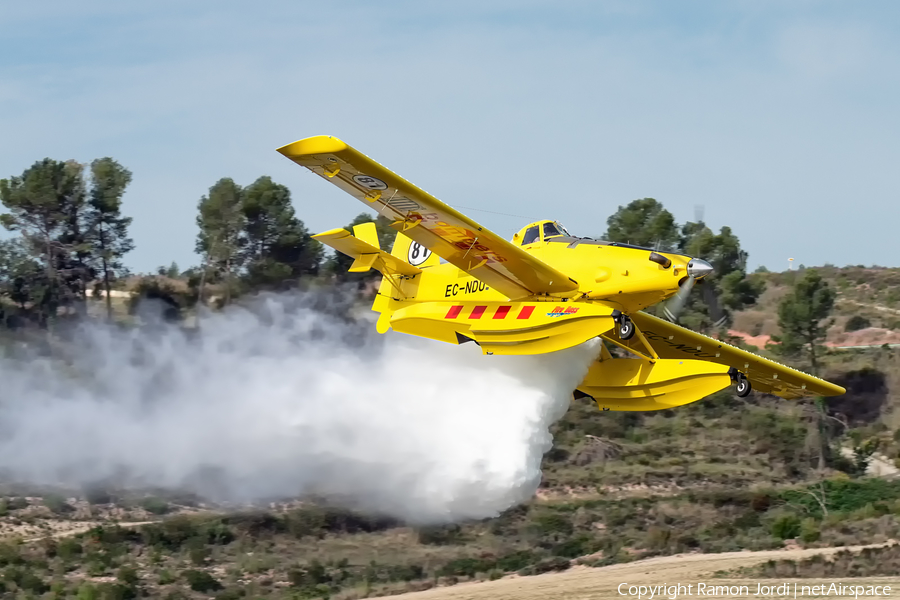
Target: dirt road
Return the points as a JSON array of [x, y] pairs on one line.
[[583, 583]]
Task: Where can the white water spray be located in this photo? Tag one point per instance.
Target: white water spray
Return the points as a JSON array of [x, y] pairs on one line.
[[282, 400]]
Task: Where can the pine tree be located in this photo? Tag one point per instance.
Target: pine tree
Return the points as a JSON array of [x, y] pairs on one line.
[[643, 222], [277, 247], [22, 279], [802, 317], [45, 205], [107, 230], [220, 240]]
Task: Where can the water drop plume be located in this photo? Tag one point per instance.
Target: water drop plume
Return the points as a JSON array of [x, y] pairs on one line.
[[279, 398]]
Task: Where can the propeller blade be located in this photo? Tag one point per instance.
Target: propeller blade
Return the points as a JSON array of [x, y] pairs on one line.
[[674, 307], [716, 313]]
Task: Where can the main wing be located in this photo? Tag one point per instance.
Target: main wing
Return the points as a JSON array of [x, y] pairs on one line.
[[428, 221], [673, 341]]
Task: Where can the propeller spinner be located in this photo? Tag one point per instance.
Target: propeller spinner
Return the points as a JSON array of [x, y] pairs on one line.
[[698, 268]]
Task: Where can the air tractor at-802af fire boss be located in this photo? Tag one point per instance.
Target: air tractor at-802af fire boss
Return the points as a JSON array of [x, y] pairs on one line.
[[545, 290]]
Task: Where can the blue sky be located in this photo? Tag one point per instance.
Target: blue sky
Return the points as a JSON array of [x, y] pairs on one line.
[[780, 119]]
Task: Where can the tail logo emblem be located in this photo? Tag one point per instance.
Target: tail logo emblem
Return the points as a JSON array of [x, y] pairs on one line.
[[418, 254]]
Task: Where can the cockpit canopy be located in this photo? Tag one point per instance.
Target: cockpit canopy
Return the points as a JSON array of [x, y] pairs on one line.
[[552, 231], [540, 231]]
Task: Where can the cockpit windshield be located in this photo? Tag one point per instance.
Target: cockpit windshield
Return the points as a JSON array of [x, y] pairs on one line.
[[531, 236], [543, 231], [551, 230]]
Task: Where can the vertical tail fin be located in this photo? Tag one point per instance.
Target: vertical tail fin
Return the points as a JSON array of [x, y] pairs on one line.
[[409, 251], [367, 233]]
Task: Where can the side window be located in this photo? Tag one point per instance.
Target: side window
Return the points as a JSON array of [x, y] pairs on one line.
[[531, 236], [550, 230]]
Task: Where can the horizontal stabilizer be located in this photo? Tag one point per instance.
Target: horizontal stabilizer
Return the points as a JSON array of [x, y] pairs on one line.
[[365, 255]]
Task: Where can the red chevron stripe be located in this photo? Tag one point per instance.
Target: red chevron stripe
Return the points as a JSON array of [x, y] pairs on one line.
[[453, 312]]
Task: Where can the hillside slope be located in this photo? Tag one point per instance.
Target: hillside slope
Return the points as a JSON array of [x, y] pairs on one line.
[[869, 293], [719, 476]]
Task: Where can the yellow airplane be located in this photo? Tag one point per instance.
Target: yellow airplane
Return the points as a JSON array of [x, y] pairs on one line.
[[541, 292]]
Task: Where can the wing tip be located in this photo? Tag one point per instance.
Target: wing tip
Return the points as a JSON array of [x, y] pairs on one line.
[[331, 233], [318, 144]]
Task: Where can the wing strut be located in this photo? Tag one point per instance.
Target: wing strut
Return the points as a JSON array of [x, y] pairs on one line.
[[637, 343]]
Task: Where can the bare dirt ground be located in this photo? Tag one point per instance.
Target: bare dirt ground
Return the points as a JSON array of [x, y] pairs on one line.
[[630, 490], [877, 307], [38, 529], [583, 583], [76, 528], [871, 336], [36, 521], [879, 464]]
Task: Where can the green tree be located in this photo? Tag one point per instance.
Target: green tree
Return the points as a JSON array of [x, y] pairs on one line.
[[643, 222], [221, 222], [22, 278], [647, 223], [857, 322], [723, 250], [201, 581], [107, 229], [738, 290], [802, 317], [172, 271], [45, 205], [732, 288], [75, 264], [864, 448], [128, 583], [276, 247]]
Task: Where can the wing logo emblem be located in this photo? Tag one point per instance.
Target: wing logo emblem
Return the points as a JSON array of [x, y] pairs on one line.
[[370, 183]]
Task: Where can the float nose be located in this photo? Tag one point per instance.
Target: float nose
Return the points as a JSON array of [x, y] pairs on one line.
[[698, 268]]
